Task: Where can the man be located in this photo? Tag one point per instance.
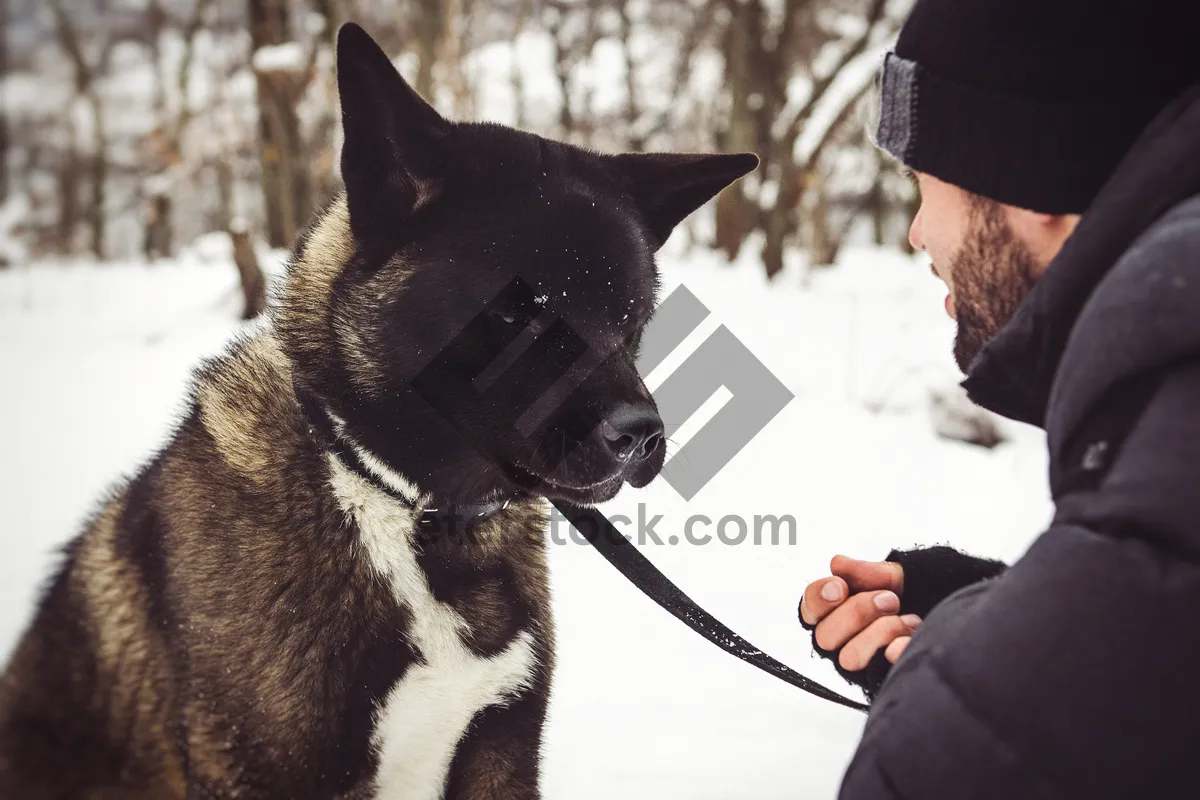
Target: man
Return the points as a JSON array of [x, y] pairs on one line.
[[1056, 144]]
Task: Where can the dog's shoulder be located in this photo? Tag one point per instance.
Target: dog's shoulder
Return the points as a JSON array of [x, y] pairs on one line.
[[244, 402]]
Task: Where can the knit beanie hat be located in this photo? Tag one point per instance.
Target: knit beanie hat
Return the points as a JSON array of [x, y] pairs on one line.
[[1032, 102]]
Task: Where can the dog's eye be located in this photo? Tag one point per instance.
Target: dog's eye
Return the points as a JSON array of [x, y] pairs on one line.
[[515, 318]]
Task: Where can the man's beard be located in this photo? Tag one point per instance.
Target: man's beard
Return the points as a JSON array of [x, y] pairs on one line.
[[992, 274]]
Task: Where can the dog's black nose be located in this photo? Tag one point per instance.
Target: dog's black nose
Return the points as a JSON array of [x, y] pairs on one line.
[[633, 430]]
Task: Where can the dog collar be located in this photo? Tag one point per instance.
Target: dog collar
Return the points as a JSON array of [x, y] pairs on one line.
[[450, 516]]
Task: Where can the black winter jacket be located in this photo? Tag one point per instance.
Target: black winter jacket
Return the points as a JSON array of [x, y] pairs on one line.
[[1073, 673]]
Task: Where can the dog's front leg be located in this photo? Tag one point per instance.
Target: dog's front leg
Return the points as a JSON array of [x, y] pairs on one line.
[[498, 758]]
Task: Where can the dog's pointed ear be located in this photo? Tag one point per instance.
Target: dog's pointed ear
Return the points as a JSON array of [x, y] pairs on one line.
[[669, 186], [395, 144]]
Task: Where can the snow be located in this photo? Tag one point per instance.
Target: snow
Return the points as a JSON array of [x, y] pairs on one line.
[[97, 360], [956, 417], [529, 57], [286, 57]]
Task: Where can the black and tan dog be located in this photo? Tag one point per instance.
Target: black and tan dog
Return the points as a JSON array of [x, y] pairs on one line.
[[281, 604]]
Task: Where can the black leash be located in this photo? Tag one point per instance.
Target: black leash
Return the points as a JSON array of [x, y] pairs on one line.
[[601, 534], [638, 570]]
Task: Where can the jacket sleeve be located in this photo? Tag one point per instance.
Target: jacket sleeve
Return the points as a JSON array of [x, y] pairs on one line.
[[1072, 674], [931, 574]]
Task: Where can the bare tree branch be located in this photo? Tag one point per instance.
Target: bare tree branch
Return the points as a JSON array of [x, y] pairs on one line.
[[183, 80], [697, 31], [834, 126], [821, 85], [69, 39]]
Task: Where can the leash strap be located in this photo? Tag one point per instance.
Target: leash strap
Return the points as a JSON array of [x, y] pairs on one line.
[[637, 569], [619, 552]]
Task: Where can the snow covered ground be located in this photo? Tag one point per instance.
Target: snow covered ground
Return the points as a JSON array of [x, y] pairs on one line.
[[95, 363]]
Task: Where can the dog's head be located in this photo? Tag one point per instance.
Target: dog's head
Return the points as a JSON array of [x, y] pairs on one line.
[[472, 306]]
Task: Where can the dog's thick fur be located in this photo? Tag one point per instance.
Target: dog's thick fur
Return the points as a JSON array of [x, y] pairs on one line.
[[250, 617]]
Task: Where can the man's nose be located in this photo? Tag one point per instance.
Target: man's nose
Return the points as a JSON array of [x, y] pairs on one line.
[[914, 233]]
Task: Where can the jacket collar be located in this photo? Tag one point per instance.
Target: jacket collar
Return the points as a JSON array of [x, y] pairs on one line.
[[1014, 373]]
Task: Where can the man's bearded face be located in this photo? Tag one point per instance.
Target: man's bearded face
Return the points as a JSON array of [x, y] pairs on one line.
[[990, 275]]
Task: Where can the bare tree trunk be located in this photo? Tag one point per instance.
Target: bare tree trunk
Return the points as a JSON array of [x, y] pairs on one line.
[[4, 133], [85, 87], [336, 13], [183, 79], [429, 35], [562, 72], [158, 235], [694, 34], [68, 193], [777, 228], [156, 23], [824, 244], [524, 11], [225, 180], [286, 192], [322, 160], [780, 219], [455, 23], [633, 111], [736, 215], [280, 128], [4, 188], [254, 284], [761, 50], [574, 30], [97, 213]]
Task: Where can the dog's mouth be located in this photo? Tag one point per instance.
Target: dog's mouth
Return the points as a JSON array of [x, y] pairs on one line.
[[557, 488], [613, 481], [627, 447]]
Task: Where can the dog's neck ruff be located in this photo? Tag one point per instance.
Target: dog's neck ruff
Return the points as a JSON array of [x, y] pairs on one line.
[[329, 434]]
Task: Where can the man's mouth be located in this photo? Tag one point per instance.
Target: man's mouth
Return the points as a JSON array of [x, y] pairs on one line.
[[949, 303]]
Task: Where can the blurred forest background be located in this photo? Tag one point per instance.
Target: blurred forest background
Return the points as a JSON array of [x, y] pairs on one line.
[[149, 147], [132, 127]]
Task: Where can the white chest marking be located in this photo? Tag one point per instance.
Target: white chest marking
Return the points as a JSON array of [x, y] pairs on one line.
[[418, 728]]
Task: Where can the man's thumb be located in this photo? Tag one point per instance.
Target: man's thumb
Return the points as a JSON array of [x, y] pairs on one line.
[[863, 576]]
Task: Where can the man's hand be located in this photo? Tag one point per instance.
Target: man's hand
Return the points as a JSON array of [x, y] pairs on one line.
[[857, 610]]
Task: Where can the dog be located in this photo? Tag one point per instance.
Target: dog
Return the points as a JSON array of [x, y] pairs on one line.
[[332, 581]]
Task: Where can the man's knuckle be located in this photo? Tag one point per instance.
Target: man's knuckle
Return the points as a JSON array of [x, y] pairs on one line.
[[848, 658], [808, 607], [896, 648], [824, 637], [866, 609]]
